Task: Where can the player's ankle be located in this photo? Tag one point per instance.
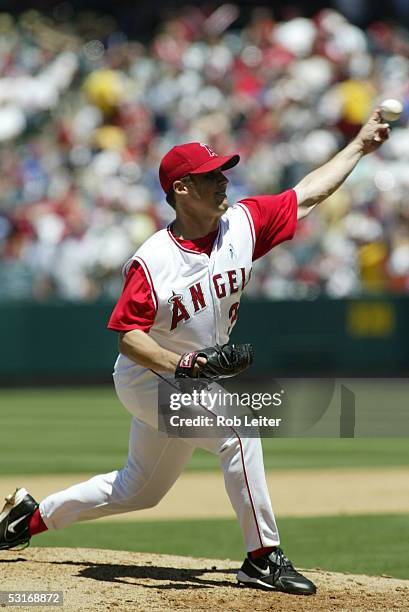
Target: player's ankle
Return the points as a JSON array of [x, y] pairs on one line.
[[36, 524], [259, 552]]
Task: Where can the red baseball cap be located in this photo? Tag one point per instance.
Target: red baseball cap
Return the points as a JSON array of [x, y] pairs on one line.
[[191, 158]]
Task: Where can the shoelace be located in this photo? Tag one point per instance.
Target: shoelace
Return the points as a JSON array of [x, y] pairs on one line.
[[281, 562]]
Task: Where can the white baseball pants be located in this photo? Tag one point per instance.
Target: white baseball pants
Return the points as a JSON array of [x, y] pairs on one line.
[[155, 461]]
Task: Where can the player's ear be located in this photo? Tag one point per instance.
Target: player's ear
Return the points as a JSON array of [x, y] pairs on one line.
[[180, 187]]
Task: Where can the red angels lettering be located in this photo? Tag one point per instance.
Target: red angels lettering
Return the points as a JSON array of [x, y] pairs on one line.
[[232, 275], [243, 277], [197, 296], [220, 288], [179, 312]]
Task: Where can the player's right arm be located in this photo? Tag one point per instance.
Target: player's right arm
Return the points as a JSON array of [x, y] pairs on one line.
[[275, 217], [319, 184]]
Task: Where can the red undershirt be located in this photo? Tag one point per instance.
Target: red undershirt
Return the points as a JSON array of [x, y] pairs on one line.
[[274, 219]]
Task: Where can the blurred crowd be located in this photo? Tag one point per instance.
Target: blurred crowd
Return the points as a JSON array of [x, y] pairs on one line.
[[87, 113]]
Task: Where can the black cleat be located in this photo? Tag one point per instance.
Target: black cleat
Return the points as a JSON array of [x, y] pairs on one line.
[[14, 520], [274, 571]]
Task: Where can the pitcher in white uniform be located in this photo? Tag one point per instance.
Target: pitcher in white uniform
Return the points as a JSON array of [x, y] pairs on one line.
[[182, 291]]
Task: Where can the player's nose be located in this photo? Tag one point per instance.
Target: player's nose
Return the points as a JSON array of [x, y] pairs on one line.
[[224, 181]]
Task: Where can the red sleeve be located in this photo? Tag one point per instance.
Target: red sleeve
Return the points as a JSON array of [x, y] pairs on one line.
[[135, 308], [274, 218]]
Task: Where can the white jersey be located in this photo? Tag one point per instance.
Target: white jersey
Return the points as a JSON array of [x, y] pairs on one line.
[[196, 297]]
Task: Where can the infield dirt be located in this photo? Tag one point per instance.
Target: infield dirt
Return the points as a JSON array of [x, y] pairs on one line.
[[99, 580], [296, 493]]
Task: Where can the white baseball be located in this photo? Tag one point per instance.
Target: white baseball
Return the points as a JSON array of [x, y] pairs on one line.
[[391, 109]]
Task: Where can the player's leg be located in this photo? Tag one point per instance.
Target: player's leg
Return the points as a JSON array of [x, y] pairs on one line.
[[242, 463], [154, 464], [266, 566]]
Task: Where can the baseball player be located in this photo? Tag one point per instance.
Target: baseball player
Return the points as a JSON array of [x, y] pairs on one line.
[[181, 294]]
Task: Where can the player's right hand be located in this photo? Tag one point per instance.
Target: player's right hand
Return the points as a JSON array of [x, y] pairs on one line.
[[373, 133]]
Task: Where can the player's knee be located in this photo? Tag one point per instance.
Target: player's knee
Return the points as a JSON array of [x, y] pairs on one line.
[[144, 501], [150, 503], [135, 491]]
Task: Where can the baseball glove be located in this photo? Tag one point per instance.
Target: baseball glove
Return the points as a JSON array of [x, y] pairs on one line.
[[222, 361]]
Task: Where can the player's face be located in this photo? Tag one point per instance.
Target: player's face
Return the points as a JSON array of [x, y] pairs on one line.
[[210, 190]]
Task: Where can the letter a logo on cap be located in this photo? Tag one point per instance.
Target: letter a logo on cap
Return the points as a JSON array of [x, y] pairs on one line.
[[208, 149]]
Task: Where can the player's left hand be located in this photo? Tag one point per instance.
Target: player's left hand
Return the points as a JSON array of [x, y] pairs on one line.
[[373, 133]]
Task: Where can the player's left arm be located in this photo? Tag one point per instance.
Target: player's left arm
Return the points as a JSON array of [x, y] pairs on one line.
[[321, 183]]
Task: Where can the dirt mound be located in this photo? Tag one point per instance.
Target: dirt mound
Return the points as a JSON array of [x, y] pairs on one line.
[[113, 580]]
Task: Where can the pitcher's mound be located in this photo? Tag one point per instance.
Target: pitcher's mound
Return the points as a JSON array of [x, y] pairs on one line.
[[114, 580]]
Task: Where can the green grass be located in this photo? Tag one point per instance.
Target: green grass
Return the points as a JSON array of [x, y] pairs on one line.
[[62, 430], [371, 545], [86, 430]]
